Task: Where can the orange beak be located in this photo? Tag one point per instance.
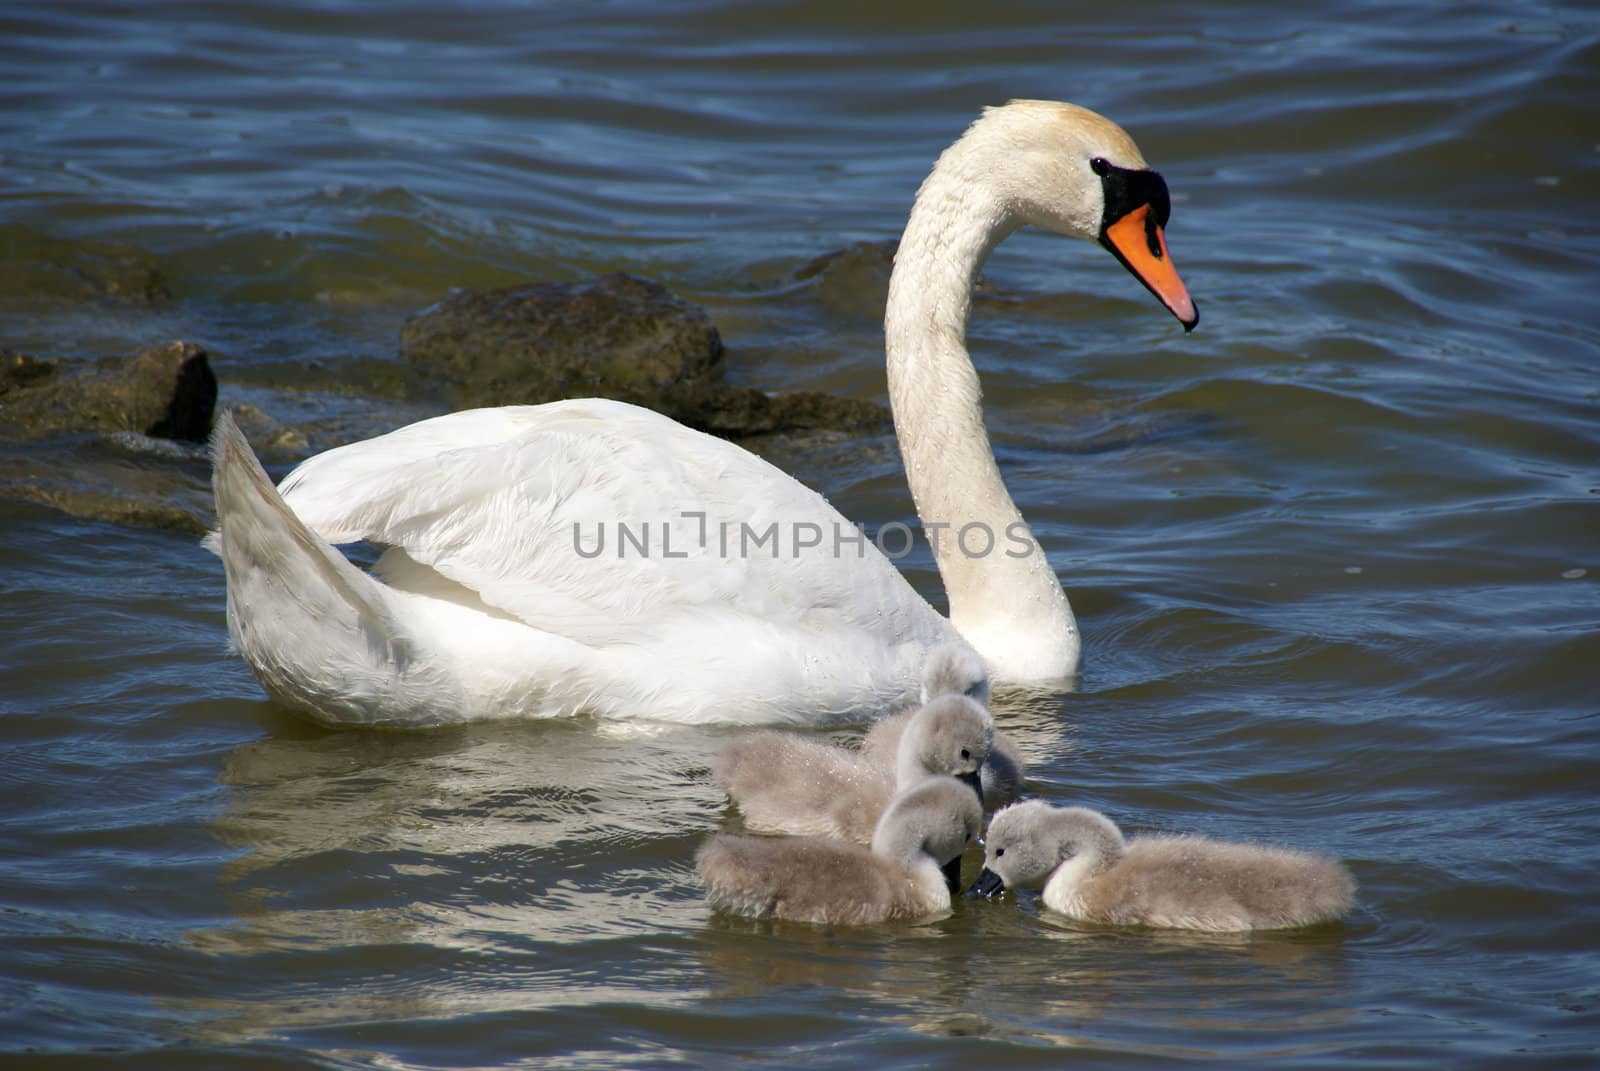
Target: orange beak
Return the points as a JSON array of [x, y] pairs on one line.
[[1138, 242]]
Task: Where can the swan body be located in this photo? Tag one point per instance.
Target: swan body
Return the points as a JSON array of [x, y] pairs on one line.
[[786, 783], [487, 601], [813, 879], [1193, 883], [482, 608]]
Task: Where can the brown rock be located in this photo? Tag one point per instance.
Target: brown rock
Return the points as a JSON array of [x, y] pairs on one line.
[[166, 391], [21, 370], [736, 412], [618, 336]]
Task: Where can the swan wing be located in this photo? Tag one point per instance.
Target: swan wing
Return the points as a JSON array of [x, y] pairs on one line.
[[606, 523]]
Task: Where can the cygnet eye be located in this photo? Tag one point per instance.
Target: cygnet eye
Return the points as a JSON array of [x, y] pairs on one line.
[[966, 754], [998, 852]]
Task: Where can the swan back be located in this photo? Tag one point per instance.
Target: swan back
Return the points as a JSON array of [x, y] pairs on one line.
[[788, 783], [1202, 884], [812, 879]]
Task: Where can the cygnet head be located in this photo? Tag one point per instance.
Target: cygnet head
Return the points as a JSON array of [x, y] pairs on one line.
[[957, 668], [950, 735], [1027, 841], [938, 817], [1074, 172]]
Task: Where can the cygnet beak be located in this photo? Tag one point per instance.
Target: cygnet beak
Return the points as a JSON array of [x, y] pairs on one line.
[[988, 885]]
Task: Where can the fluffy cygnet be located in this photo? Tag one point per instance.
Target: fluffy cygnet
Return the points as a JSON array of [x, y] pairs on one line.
[[787, 783], [1191, 883], [813, 879], [954, 668]]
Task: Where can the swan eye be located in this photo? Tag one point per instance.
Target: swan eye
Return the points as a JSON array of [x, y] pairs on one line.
[[998, 852], [965, 754], [1100, 166]]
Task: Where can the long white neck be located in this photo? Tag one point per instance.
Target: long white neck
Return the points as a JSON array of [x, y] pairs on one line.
[[1004, 597]]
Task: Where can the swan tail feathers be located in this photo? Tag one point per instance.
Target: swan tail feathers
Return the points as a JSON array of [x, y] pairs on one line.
[[316, 631]]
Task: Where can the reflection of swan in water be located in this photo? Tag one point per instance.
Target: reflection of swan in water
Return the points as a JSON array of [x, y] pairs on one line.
[[537, 843], [543, 871], [1090, 873], [486, 609], [902, 877], [789, 783], [969, 973]]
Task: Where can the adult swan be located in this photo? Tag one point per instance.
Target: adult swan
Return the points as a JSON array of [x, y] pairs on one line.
[[490, 601]]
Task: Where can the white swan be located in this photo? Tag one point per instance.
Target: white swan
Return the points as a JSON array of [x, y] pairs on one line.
[[750, 599], [813, 879], [1193, 883], [787, 783]]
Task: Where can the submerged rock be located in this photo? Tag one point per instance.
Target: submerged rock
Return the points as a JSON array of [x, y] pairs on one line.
[[853, 281], [21, 370], [735, 412], [122, 439], [35, 267], [617, 336]]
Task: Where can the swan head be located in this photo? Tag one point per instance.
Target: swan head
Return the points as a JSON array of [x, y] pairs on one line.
[[1027, 841], [1074, 172], [950, 735], [937, 819]]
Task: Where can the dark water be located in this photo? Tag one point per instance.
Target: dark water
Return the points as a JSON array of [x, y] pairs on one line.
[[1334, 555]]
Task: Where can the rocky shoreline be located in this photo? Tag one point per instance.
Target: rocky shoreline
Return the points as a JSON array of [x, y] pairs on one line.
[[122, 438]]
